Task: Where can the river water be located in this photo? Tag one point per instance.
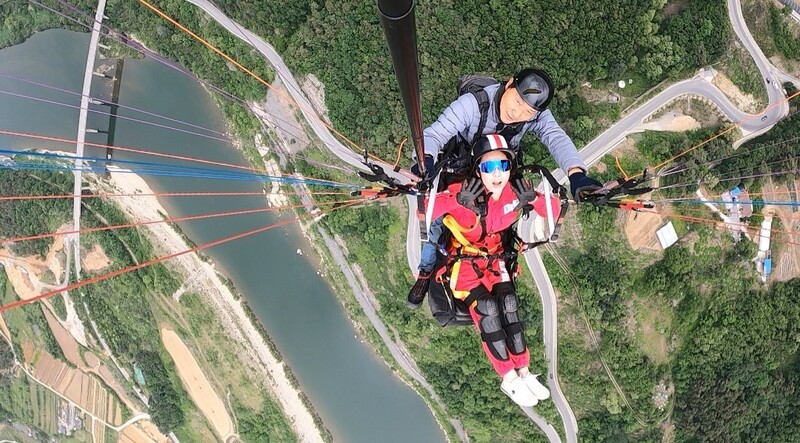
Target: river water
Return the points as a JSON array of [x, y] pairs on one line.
[[354, 392]]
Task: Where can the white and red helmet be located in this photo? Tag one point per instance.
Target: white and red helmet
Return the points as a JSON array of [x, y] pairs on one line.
[[488, 143]]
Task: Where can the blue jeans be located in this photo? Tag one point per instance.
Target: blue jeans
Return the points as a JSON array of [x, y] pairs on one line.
[[427, 258]]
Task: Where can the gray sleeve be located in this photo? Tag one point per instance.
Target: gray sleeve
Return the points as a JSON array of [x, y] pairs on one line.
[[561, 147], [458, 118]]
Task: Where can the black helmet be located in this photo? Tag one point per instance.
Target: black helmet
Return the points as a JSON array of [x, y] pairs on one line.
[[535, 87], [488, 143]]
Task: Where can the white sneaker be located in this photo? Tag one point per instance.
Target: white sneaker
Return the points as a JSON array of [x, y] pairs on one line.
[[535, 386], [518, 391]]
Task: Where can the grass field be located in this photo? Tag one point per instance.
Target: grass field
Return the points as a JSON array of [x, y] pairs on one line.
[[44, 404]]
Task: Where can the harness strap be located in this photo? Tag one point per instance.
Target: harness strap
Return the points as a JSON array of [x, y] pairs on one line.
[[473, 297], [515, 328], [477, 270], [483, 225], [483, 105], [483, 256], [490, 337], [489, 267], [455, 228]]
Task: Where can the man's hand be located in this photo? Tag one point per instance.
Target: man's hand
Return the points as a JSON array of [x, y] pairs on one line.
[[468, 195], [525, 194], [429, 167], [579, 183]]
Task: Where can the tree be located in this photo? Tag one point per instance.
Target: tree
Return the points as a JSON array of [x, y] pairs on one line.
[[7, 362]]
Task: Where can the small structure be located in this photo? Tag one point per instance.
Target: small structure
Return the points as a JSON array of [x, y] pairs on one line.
[[764, 258], [745, 204], [764, 235], [137, 374], [740, 208], [667, 235]]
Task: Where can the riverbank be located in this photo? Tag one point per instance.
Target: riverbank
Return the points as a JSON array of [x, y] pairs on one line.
[[230, 309], [280, 120]]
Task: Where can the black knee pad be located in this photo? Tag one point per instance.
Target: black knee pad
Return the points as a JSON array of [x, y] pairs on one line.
[[509, 303], [490, 325]]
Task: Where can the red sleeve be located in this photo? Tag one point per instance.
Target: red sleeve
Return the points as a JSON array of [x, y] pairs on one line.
[[446, 203], [540, 206]]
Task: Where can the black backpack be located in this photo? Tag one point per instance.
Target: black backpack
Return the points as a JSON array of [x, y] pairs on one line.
[[474, 84], [456, 152]]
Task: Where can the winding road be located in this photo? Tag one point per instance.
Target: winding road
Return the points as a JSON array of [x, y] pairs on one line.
[[698, 86]]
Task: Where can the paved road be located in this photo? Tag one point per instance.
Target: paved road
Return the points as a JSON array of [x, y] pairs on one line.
[[338, 148]]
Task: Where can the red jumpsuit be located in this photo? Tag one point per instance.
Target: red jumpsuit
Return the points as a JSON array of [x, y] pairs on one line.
[[488, 276]]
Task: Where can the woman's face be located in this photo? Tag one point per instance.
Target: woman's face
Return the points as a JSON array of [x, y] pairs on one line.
[[495, 170]]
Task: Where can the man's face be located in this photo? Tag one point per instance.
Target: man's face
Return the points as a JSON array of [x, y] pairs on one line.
[[513, 108], [495, 170]]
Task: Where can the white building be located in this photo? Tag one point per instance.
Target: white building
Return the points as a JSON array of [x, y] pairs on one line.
[[667, 235], [764, 235]]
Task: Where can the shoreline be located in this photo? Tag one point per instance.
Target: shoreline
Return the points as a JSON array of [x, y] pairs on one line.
[[231, 309]]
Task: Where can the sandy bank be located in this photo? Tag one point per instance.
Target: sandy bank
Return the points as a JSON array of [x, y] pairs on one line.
[[196, 382], [231, 312]]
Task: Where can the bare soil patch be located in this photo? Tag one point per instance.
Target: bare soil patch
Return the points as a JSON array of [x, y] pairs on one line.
[[626, 147], [98, 429], [19, 277], [786, 265], [94, 260], [600, 92], [4, 329], [745, 102], [28, 352], [278, 114], [197, 384], [118, 415], [79, 387], [672, 121], [26, 273], [682, 123], [675, 7], [315, 91], [640, 229], [91, 360], [684, 114], [792, 67], [142, 432], [252, 348]]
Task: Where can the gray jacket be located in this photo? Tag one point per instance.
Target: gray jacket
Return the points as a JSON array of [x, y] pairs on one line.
[[463, 116]]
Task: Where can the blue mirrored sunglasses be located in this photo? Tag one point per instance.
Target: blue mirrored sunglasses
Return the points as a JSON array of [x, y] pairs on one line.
[[490, 166]]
